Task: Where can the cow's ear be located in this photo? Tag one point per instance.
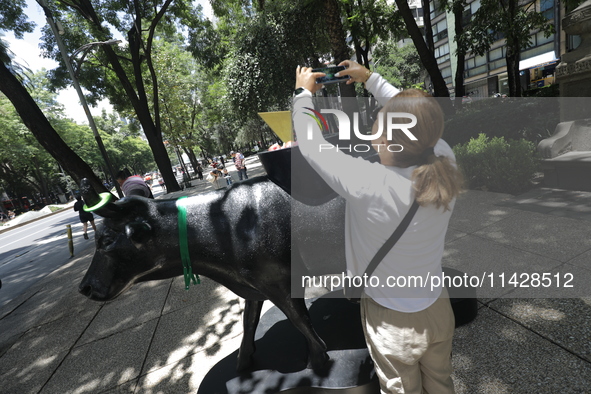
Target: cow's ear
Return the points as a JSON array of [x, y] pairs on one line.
[[138, 232]]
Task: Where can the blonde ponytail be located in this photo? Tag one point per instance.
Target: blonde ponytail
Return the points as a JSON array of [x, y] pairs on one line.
[[435, 180]]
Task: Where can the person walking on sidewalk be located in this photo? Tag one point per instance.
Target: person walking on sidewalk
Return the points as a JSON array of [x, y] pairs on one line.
[[84, 216], [240, 164], [227, 176], [408, 330], [133, 185]]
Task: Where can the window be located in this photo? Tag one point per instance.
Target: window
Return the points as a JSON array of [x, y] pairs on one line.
[[466, 17], [540, 39], [436, 9], [495, 54], [547, 8], [480, 60], [442, 50], [417, 12], [442, 53], [440, 30]]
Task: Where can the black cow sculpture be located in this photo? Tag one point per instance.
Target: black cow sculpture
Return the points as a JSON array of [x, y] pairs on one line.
[[241, 238]]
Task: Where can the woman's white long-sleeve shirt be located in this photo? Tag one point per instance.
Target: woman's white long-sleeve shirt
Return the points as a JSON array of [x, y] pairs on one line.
[[378, 197]]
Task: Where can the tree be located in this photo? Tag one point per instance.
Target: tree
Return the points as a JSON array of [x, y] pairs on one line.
[[183, 84], [338, 44], [369, 23], [508, 19], [25, 166], [11, 85], [457, 8], [401, 66], [427, 56], [259, 70], [125, 75]]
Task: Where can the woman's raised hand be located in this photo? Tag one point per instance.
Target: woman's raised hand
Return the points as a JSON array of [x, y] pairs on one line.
[[306, 79], [356, 71]]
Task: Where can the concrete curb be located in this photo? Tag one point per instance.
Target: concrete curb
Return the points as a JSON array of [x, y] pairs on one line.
[[5, 229]]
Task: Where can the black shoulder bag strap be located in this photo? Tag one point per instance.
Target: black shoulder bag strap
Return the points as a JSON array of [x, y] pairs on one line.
[[355, 291]]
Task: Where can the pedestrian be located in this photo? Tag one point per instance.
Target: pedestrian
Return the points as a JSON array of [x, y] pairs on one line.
[[84, 216], [161, 183], [240, 164], [408, 330], [227, 176], [133, 185], [214, 176], [199, 172]]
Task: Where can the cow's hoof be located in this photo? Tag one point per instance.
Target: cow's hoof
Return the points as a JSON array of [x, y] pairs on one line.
[[243, 363], [320, 362]]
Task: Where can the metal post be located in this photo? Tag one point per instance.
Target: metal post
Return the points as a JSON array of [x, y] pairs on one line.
[[70, 240], [91, 123]]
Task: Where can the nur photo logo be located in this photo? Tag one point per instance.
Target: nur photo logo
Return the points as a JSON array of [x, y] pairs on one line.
[[388, 122]]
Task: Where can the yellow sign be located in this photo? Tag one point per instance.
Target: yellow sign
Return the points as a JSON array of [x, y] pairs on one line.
[[280, 123]]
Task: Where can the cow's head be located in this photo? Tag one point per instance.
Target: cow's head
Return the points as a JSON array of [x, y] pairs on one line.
[[125, 247]]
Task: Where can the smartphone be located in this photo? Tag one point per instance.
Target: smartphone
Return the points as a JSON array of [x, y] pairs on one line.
[[330, 72]]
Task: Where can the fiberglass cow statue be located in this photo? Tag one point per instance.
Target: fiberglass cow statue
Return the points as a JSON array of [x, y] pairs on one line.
[[240, 237]]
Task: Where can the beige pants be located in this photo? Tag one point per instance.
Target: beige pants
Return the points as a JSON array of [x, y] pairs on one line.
[[411, 351]]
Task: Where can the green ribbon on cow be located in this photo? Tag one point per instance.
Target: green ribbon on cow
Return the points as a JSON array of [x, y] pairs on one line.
[[184, 244]]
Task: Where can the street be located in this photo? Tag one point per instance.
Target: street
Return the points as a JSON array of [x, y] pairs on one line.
[[30, 252]]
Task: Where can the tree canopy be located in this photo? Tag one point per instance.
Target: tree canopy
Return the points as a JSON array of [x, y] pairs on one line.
[[193, 85]]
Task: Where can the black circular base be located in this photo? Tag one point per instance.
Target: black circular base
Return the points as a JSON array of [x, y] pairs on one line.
[[281, 356], [462, 299], [280, 359]]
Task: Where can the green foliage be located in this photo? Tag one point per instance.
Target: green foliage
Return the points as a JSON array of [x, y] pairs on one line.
[[28, 169], [206, 44], [18, 149], [13, 18], [545, 91], [260, 69], [532, 119], [498, 165], [401, 66], [369, 22], [513, 21]]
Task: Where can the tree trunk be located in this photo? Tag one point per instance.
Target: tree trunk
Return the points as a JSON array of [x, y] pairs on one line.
[[336, 36], [458, 11], [192, 158], [513, 54], [512, 59], [40, 127], [428, 27], [138, 100], [427, 57]]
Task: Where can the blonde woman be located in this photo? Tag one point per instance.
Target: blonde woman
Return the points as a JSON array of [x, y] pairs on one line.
[[408, 329]]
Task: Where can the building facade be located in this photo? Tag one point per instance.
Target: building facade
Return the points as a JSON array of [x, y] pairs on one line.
[[485, 76]]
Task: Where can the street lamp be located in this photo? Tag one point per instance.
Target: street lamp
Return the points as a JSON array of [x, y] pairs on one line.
[[85, 48]]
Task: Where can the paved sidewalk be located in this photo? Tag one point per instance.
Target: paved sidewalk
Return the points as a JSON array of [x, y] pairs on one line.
[[159, 338]]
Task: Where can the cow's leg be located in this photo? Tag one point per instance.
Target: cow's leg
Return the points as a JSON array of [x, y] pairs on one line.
[[296, 311], [250, 320]]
